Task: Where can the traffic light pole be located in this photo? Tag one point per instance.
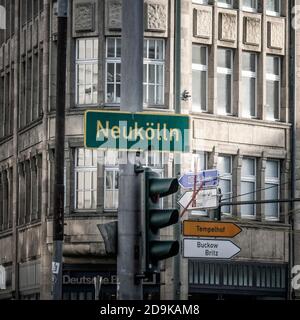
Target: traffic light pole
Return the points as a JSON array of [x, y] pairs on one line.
[[129, 239], [58, 215]]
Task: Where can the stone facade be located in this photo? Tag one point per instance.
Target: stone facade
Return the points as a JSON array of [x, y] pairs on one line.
[[27, 147]]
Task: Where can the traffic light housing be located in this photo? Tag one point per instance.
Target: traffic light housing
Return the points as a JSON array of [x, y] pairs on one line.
[[155, 218]]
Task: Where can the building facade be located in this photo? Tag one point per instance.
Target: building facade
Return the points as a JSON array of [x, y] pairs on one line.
[[234, 71]]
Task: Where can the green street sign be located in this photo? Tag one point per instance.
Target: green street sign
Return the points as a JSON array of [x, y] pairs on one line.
[[136, 131]]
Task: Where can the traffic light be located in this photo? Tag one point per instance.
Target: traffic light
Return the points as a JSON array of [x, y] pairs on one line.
[[155, 218]]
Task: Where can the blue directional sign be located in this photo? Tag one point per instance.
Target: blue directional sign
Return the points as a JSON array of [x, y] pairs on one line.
[[209, 178]]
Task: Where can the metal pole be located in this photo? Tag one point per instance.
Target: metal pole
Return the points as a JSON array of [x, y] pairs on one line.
[[128, 259], [58, 215], [177, 107], [293, 115]]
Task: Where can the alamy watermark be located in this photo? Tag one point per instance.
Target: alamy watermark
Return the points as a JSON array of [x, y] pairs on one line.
[[296, 277]]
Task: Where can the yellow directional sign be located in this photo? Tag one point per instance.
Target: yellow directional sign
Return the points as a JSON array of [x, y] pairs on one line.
[[210, 229]]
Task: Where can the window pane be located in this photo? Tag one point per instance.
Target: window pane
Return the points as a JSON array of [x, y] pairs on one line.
[[224, 58], [110, 72], [273, 65], [224, 93], [151, 53], [199, 55], [272, 169], [249, 97], [160, 74], [159, 49], [199, 90], [109, 180], [225, 186], [80, 49], [89, 49], [118, 72], [248, 168], [249, 62], [272, 209], [110, 47], [248, 192], [151, 69], [272, 100], [224, 165], [118, 49]]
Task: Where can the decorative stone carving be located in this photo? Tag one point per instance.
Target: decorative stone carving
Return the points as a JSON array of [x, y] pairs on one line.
[[275, 35], [156, 17], [202, 23], [252, 29], [84, 17], [228, 31], [115, 15]]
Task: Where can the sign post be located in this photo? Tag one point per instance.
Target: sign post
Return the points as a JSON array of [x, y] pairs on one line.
[[209, 179], [136, 131], [210, 229], [205, 199]]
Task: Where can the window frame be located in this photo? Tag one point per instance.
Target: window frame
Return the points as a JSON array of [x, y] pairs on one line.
[[84, 169], [251, 75], [91, 61], [227, 71], [156, 62], [250, 9], [253, 180], [277, 182], [272, 12], [115, 169], [201, 68], [227, 177], [225, 5], [112, 60], [274, 78]]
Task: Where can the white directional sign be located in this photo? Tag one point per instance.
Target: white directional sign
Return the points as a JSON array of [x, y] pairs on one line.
[[209, 249], [205, 199]]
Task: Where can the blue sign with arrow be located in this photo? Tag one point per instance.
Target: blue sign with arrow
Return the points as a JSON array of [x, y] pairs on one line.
[[209, 178]]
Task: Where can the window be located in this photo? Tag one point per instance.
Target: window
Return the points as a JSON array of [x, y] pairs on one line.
[[154, 71], [248, 187], [85, 179], [200, 77], [154, 65], [225, 171], [250, 5], [111, 188], [113, 70], [249, 84], [225, 63], [86, 71], [111, 180], [225, 3], [272, 185], [273, 7], [273, 87]]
